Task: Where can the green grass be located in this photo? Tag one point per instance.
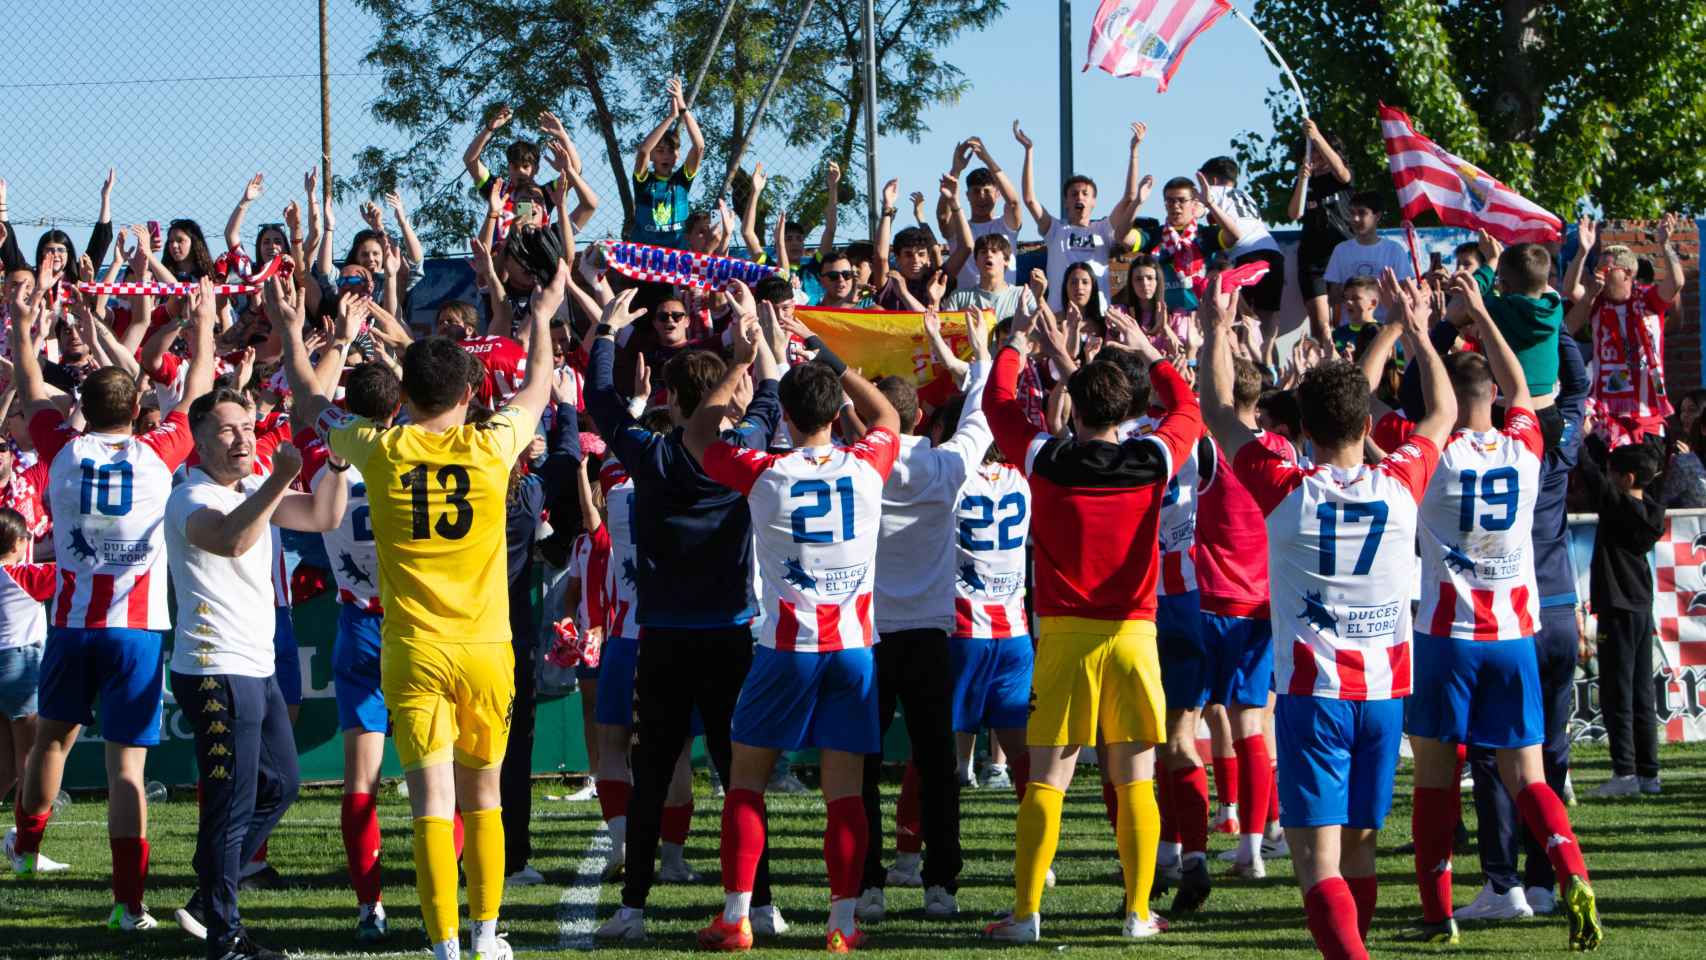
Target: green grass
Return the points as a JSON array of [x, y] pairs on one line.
[[1645, 854]]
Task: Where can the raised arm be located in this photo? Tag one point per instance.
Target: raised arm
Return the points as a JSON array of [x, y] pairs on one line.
[[1374, 357], [1414, 308], [535, 390], [314, 512], [1216, 372], [1135, 193], [959, 228], [204, 313], [831, 208], [26, 362], [695, 139], [1045, 223], [471, 157], [869, 403], [1581, 309], [749, 212], [1507, 372], [234, 223], [885, 226], [643, 154], [1670, 276], [706, 424], [283, 304], [412, 249], [1228, 226], [233, 534]]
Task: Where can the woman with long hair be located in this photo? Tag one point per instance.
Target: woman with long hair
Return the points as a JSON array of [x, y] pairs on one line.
[[55, 247]]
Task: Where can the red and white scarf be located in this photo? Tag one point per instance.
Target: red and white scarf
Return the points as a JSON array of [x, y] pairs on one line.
[[1179, 246]]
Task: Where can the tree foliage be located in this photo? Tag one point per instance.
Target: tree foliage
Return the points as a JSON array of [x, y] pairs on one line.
[[1592, 102], [602, 67]]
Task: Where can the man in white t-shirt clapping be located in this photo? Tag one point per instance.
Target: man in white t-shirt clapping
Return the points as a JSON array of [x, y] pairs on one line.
[[984, 186], [219, 542], [1077, 238]]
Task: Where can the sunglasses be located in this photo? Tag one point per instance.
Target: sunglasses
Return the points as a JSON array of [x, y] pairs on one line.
[[672, 315], [839, 274]]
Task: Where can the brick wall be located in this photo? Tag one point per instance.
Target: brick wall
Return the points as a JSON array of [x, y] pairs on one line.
[[1682, 331]]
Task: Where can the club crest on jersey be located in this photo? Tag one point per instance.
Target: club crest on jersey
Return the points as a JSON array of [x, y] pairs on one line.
[[628, 571], [80, 544], [1456, 559], [1316, 614], [347, 567], [969, 577], [797, 575]]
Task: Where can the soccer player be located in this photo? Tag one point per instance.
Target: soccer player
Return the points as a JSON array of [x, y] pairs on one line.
[[107, 491], [816, 516], [1340, 546], [1477, 671], [1096, 675], [220, 532], [436, 492]]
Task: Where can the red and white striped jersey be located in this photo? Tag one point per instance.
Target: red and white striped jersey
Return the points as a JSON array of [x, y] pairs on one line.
[[107, 493], [588, 561], [26, 493], [993, 520], [620, 595], [815, 516], [505, 361], [1177, 529], [23, 589], [349, 546], [1477, 522], [1341, 561]]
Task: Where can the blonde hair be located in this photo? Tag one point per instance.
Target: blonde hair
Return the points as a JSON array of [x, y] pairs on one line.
[[1619, 257]]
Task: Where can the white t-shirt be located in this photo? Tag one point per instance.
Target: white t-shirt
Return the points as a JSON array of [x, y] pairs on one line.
[[1068, 244], [225, 609], [1253, 235], [968, 271], [1352, 258]]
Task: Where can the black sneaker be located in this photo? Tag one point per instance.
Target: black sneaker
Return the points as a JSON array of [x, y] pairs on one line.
[[1445, 931], [266, 878], [242, 947], [1194, 887]]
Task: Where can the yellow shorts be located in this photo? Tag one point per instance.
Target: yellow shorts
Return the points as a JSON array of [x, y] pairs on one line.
[[448, 700], [1095, 675]]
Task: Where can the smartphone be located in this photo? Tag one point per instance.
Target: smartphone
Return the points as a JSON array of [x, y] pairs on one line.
[[1436, 261], [154, 233], [524, 213]]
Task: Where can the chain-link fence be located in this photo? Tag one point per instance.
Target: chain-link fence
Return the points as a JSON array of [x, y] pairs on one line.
[[189, 101]]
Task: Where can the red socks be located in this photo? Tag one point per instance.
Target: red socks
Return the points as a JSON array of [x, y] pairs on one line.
[[1546, 819], [1226, 779], [1365, 891], [1332, 914], [31, 826], [1432, 825], [677, 820], [456, 831], [130, 871], [1190, 808], [1255, 782], [908, 814], [1111, 803], [261, 854], [845, 836], [743, 839], [360, 822], [613, 798], [1019, 771]]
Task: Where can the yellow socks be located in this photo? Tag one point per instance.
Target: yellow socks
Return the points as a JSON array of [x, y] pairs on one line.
[[1139, 831], [1039, 835], [435, 876], [483, 859]]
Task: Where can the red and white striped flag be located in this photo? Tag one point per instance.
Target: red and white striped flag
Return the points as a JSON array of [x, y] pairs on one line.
[[1148, 38], [1430, 177]]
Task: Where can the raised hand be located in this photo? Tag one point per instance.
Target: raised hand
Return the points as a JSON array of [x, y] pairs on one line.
[[253, 189], [962, 158], [503, 116], [1587, 232], [746, 335], [938, 287], [563, 385], [891, 190], [309, 181], [677, 98], [642, 377], [977, 330], [620, 312], [107, 186], [741, 299], [283, 304], [293, 217], [482, 258], [950, 187], [1038, 283], [1668, 227], [1019, 135], [204, 304], [373, 216], [1413, 306], [832, 180], [758, 178], [917, 198], [287, 460], [1138, 130]]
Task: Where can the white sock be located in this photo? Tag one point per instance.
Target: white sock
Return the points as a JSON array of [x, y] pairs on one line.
[[375, 909], [1195, 856], [841, 915], [447, 950], [671, 852], [618, 827], [908, 862], [1168, 853], [1249, 847], [736, 906], [483, 935]]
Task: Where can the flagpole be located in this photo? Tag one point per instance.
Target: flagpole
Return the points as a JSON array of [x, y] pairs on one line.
[[1296, 88]]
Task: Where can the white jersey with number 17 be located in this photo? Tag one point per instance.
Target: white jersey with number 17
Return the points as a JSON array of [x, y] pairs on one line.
[[1341, 561]]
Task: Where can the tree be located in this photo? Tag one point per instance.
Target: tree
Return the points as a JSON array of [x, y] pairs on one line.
[[1595, 101], [445, 66]]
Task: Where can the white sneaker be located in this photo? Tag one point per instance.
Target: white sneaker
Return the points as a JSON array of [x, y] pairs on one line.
[[996, 777], [501, 950], [626, 924], [189, 919], [1569, 795], [525, 877], [1137, 928], [1541, 901], [1276, 849], [43, 863], [938, 902], [908, 871], [872, 907], [967, 779], [1649, 786], [1016, 930], [768, 920], [673, 866], [1489, 904], [1627, 785], [123, 919], [1253, 869], [1048, 878], [1225, 819]]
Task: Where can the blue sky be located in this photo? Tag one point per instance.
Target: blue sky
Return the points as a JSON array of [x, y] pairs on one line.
[[189, 99]]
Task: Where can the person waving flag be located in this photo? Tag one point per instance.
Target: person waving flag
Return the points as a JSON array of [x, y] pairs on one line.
[[1148, 38]]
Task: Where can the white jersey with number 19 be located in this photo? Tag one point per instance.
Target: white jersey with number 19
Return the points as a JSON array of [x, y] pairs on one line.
[[1341, 560]]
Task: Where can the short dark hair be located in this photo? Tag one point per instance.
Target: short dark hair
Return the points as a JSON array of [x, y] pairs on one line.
[[1359, 283], [13, 530], [1470, 374], [903, 396], [859, 251], [204, 404], [522, 151], [1224, 169], [671, 139], [811, 395], [1333, 398], [993, 240], [1281, 407], [1638, 459], [1246, 383], [1137, 378], [913, 237], [435, 372], [1470, 249], [1101, 393], [109, 398], [373, 391], [1526, 268], [657, 420], [774, 289], [1180, 183], [1372, 200], [695, 220], [1078, 178], [690, 376], [981, 177]]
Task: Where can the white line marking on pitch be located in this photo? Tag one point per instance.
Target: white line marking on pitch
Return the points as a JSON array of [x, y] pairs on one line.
[[577, 909]]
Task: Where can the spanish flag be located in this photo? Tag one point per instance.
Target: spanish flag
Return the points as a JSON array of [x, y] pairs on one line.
[[882, 343]]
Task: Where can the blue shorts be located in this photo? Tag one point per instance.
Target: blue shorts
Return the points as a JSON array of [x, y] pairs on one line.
[[795, 700], [286, 664], [20, 674], [1179, 643], [992, 683], [1336, 760], [355, 670], [1477, 692], [618, 659], [1240, 659], [115, 667]]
